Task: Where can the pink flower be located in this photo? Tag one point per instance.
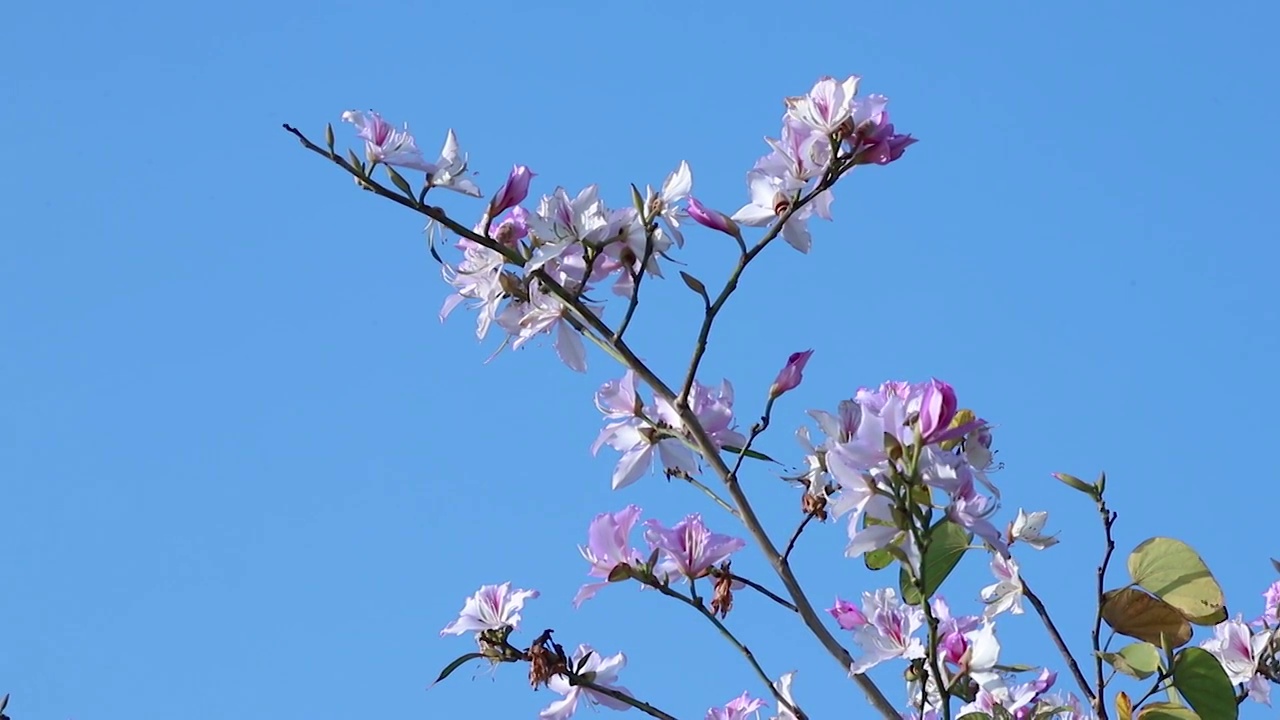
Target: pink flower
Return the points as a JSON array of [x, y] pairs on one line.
[[608, 547], [492, 607], [689, 549], [739, 708], [827, 106], [713, 219], [791, 375], [385, 144], [1239, 650], [513, 191], [889, 631], [601, 671]]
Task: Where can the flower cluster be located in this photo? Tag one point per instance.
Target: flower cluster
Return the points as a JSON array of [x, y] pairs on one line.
[[884, 445], [688, 550], [530, 270]]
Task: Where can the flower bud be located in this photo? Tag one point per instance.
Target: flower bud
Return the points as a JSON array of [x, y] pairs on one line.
[[791, 375], [713, 219], [847, 615], [937, 409], [513, 191]]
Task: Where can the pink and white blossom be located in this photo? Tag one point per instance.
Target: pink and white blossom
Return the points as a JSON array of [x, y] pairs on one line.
[[743, 707], [889, 632], [385, 144], [1029, 528], [827, 105], [493, 607], [608, 546], [1006, 593], [689, 549], [450, 171], [1239, 650], [602, 671], [666, 203]]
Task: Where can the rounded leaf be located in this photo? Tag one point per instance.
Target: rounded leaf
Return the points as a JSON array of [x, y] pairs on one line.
[[1173, 572], [947, 543], [1137, 660], [1199, 677], [1167, 711], [1136, 614]]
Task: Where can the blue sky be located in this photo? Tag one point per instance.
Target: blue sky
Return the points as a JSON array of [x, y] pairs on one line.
[[246, 472]]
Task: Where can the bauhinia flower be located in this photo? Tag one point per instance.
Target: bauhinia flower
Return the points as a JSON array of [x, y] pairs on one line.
[[545, 313], [493, 607], [714, 410], [773, 196], [634, 436], [1271, 600], [385, 144], [602, 671], [608, 546], [1018, 699], [666, 203], [827, 106], [1029, 528], [889, 631], [450, 171], [1006, 593], [791, 374], [1239, 650], [689, 549], [743, 707]]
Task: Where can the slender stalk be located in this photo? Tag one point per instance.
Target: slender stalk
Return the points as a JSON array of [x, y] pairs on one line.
[[696, 603], [620, 696], [1057, 640], [755, 586], [1108, 519], [791, 544]]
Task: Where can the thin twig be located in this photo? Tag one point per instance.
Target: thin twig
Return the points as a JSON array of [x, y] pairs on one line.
[[1108, 519], [1057, 640], [791, 544], [696, 603], [620, 696], [755, 586]]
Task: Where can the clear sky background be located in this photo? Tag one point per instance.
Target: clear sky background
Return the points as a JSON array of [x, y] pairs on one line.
[[247, 473]]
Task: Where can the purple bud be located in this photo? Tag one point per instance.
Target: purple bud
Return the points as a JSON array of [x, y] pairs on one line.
[[847, 615], [937, 409], [713, 219], [513, 191], [791, 374]]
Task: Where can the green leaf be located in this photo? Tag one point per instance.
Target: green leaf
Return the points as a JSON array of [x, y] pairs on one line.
[[753, 454], [878, 559], [999, 713], [1167, 711], [1134, 613], [947, 543], [1200, 679], [974, 716], [1076, 483], [1211, 619], [1137, 660], [448, 670], [1173, 572]]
